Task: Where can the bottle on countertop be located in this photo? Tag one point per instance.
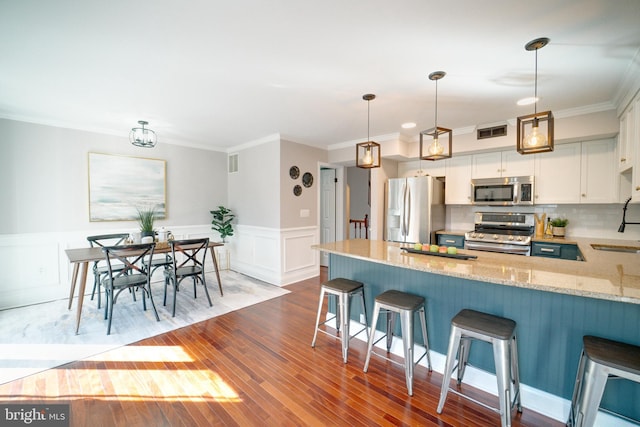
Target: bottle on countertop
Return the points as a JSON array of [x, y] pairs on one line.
[[548, 233]]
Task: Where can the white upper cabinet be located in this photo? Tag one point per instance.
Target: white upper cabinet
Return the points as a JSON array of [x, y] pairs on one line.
[[502, 163], [428, 167], [458, 180], [625, 138], [633, 141], [557, 177], [598, 175], [577, 173]]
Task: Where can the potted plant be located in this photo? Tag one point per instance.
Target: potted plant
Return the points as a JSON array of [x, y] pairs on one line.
[[146, 218], [559, 226], [221, 221]]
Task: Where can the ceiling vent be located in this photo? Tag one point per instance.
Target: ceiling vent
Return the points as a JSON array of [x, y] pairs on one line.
[[492, 132]]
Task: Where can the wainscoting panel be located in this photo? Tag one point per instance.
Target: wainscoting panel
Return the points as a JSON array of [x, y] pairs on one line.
[[36, 268], [276, 256], [31, 270]]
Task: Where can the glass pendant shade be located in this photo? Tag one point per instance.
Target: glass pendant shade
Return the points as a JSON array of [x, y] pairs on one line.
[[535, 133], [143, 137], [368, 153], [435, 143]]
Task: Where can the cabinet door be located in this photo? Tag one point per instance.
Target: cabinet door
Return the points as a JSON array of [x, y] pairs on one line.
[[486, 165], [458, 183], [413, 168], [502, 163], [634, 147], [598, 173], [558, 175], [627, 125], [516, 164]]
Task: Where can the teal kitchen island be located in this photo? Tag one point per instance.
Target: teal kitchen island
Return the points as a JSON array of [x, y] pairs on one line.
[[554, 302]]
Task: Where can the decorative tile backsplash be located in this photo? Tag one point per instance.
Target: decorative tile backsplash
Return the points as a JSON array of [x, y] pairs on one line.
[[597, 220]]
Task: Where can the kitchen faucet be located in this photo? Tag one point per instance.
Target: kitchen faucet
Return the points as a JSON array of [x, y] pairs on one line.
[[624, 214]]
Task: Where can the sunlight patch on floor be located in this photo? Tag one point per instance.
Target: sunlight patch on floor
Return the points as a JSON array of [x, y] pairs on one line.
[[144, 353], [135, 385]]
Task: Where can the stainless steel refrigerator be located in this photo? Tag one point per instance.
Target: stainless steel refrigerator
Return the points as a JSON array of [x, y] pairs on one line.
[[415, 209]]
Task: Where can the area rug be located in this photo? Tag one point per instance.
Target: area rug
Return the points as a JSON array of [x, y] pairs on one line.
[[42, 336]]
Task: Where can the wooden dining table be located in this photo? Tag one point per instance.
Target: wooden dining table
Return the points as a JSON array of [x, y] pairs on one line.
[[81, 257]]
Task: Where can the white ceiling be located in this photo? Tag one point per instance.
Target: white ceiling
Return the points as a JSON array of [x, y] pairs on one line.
[[224, 73]]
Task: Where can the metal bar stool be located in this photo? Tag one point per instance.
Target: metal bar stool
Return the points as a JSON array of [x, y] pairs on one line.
[[343, 290], [601, 359], [406, 305], [500, 333]]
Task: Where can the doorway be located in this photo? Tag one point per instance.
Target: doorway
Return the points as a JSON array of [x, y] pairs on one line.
[[331, 207]]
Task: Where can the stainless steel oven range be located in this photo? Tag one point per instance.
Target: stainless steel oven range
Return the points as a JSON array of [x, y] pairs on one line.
[[501, 232]]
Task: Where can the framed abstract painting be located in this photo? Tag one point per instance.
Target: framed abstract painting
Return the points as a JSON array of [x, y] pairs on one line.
[[119, 186]]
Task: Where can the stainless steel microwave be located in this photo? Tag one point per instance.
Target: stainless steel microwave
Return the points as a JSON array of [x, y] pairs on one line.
[[509, 191]]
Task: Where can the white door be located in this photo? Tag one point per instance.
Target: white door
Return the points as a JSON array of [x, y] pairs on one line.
[[327, 210]]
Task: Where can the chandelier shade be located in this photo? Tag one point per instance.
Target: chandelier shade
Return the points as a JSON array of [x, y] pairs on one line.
[[535, 131], [439, 140], [368, 153], [143, 137]]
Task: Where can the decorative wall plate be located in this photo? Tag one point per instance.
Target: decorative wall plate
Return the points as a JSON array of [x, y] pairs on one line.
[[307, 179], [297, 190], [294, 172]]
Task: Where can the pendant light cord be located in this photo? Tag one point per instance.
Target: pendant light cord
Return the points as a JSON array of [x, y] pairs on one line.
[[436, 118], [535, 90], [368, 119]]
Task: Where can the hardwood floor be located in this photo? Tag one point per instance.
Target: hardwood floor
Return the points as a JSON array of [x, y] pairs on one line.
[[251, 367]]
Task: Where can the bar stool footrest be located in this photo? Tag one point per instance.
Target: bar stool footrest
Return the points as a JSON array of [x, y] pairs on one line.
[[375, 353], [336, 336]]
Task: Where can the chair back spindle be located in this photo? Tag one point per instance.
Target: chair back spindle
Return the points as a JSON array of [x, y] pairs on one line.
[[360, 227]]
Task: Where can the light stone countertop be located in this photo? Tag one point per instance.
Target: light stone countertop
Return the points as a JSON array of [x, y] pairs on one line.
[[604, 275]]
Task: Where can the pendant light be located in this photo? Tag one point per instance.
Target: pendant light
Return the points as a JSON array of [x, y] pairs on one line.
[[436, 149], [535, 131], [368, 153], [143, 137]]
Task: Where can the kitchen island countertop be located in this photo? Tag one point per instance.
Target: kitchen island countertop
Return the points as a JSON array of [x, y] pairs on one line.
[[604, 275]]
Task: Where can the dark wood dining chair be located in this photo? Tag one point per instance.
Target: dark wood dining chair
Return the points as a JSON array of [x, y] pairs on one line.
[[130, 273], [189, 256], [100, 267]]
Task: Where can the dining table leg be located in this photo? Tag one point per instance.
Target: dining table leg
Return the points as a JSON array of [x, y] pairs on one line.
[[83, 285], [74, 278], [215, 265]]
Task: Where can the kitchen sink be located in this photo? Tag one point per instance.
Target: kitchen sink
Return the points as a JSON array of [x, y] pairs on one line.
[[617, 248]]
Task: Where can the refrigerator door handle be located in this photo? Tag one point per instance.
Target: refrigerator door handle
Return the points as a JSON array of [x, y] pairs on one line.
[[403, 228], [408, 211]]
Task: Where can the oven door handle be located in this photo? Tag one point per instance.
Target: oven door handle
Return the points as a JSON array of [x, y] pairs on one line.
[[509, 249]]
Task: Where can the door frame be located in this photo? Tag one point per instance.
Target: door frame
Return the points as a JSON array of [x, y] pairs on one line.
[[340, 195]]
